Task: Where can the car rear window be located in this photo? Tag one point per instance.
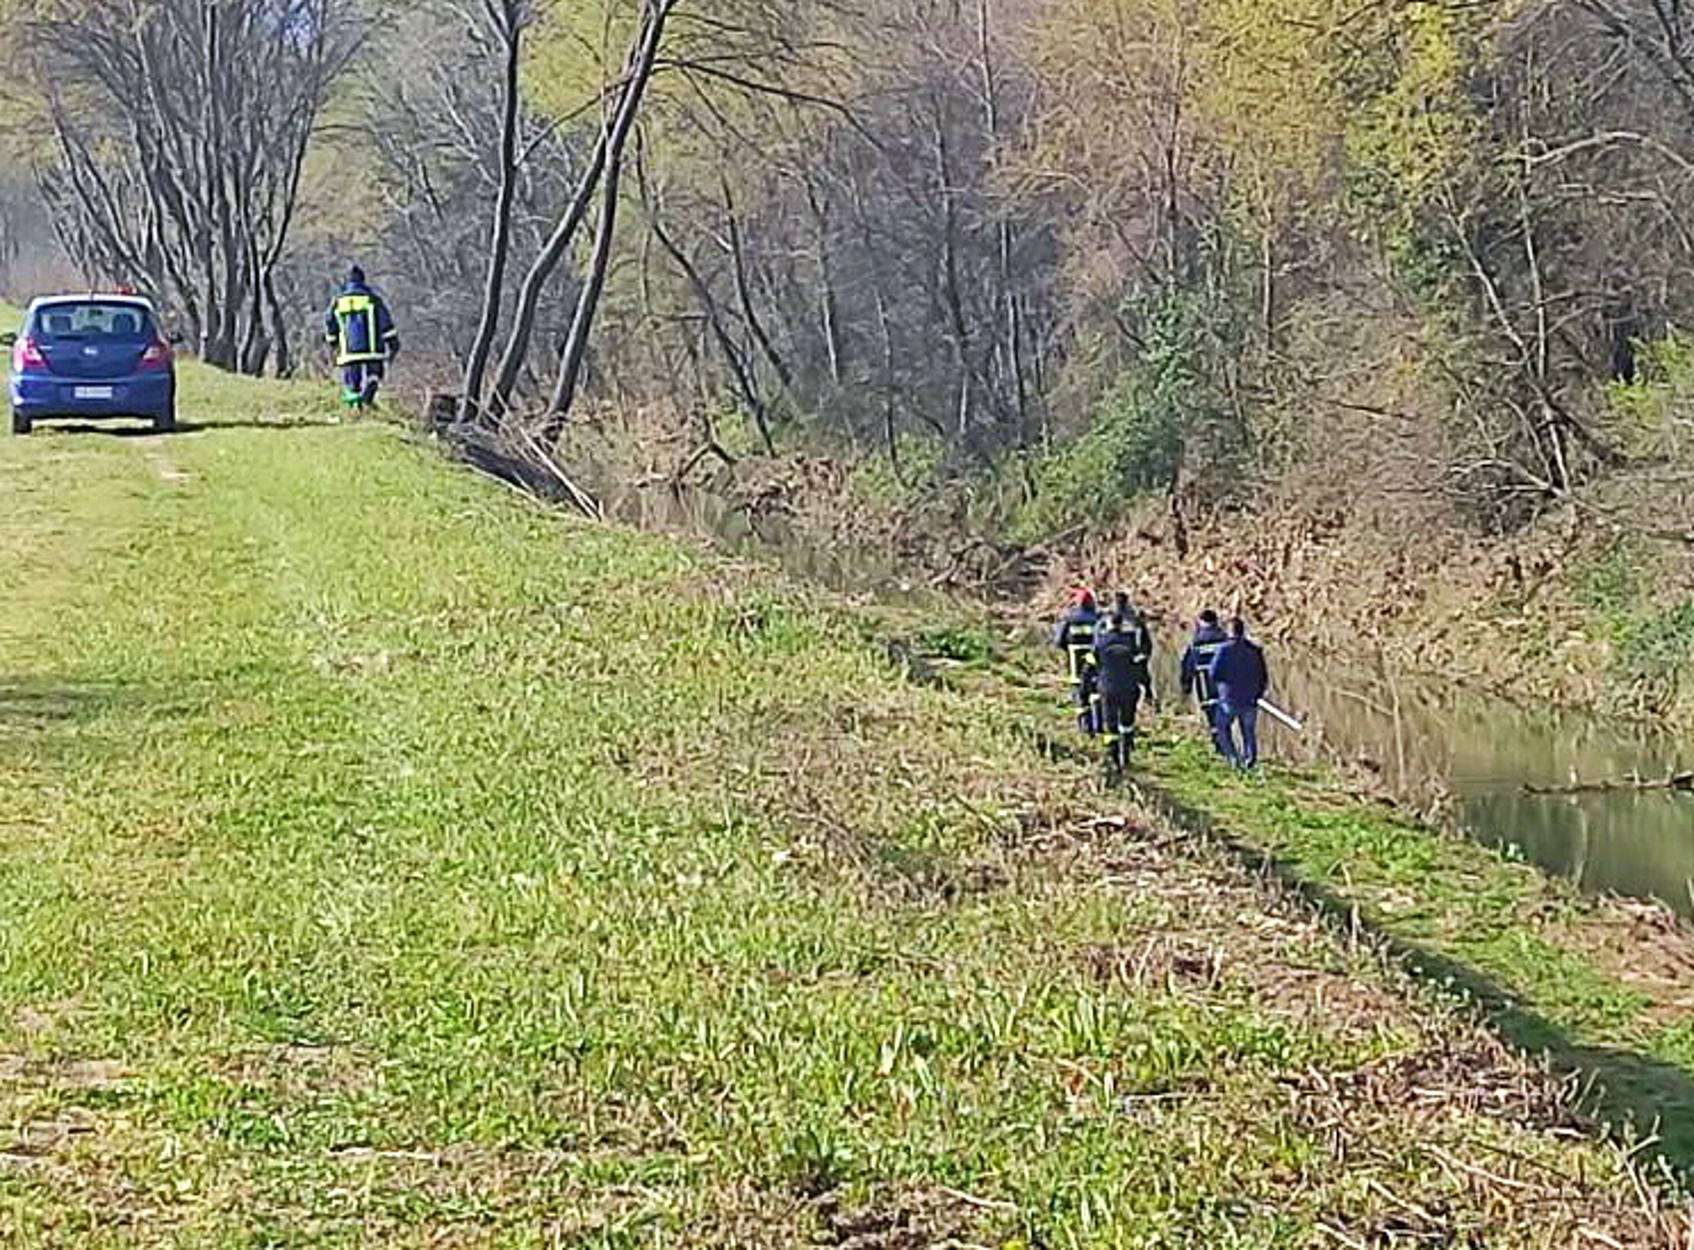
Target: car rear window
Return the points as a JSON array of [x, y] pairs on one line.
[[92, 320]]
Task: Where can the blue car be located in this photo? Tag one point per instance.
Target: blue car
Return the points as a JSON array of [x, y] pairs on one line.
[[92, 357]]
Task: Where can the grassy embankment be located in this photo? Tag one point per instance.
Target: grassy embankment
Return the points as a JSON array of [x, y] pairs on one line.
[[1604, 989], [1607, 991], [388, 862]]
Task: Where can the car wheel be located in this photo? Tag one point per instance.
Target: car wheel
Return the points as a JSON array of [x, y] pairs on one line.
[[165, 422], [20, 423]]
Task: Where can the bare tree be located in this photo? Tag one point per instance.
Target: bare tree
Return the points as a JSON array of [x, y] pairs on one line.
[[621, 107], [506, 19], [182, 128]]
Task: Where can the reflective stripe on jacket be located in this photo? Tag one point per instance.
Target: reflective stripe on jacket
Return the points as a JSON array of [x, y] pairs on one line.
[[359, 325], [1076, 634], [1197, 665]]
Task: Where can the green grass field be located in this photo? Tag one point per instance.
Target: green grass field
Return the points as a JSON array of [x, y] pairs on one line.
[[387, 861]]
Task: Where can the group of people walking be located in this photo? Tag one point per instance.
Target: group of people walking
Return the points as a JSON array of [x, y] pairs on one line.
[[1111, 668], [1224, 671], [1111, 671], [1110, 653]]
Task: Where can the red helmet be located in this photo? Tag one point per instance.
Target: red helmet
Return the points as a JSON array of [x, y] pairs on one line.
[[1082, 597]]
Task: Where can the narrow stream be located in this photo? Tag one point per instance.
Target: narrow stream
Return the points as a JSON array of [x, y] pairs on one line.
[[1466, 758], [1462, 757]]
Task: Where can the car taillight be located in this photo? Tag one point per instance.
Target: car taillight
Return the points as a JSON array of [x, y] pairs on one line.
[[27, 355], [157, 355]]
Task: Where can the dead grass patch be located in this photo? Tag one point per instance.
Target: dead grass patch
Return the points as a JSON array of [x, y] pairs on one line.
[[1645, 946], [898, 1218]]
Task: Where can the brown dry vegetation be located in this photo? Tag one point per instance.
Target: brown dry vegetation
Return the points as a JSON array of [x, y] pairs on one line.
[[1415, 589]]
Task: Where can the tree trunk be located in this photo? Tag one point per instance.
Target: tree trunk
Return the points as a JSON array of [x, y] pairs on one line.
[[829, 304], [470, 395], [952, 295], [587, 303], [714, 322], [744, 294], [255, 346], [606, 152], [1011, 311], [279, 326], [512, 359]]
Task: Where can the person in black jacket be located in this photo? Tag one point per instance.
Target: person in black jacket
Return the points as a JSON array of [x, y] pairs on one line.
[[1124, 658], [1075, 636]]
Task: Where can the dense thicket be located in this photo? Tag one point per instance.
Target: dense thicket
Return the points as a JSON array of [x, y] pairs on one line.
[[1093, 247]]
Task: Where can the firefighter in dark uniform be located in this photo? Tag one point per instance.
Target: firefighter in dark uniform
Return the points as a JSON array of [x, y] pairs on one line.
[[1123, 653], [1075, 636], [1203, 648], [360, 330]]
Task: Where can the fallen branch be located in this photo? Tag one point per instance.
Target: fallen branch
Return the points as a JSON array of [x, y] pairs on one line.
[[584, 502], [1676, 783], [971, 1200], [709, 449], [520, 462]]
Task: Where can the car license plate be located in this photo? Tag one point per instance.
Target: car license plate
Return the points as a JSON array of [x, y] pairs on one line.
[[93, 392]]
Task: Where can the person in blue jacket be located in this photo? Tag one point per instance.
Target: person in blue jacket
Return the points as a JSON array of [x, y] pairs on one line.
[[360, 329], [1208, 640], [1075, 637], [1241, 677]]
